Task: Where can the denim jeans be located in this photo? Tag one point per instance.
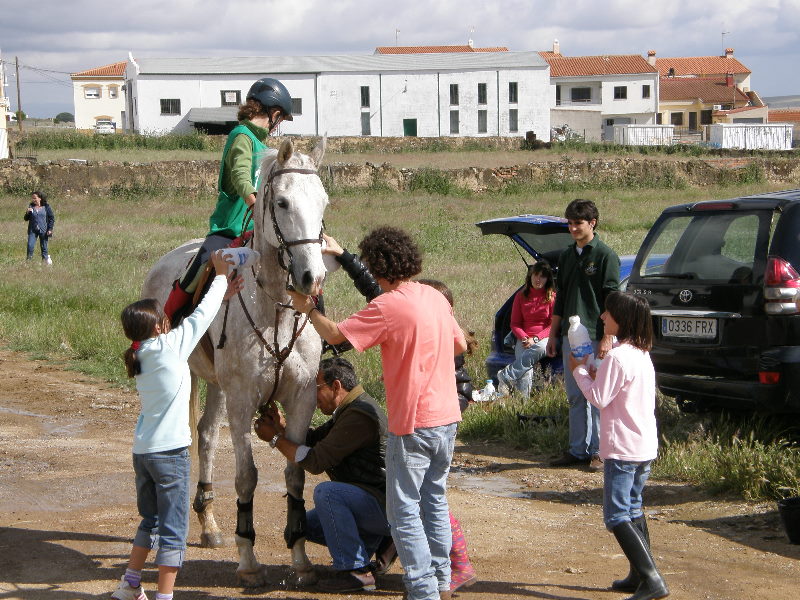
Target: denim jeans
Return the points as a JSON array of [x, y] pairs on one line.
[[32, 237], [520, 372], [349, 521], [417, 465], [584, 419], [623, 483], [162, 496]]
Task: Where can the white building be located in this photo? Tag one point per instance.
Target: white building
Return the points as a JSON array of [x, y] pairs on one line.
[[427, 95], [591, 94], [98, 95]]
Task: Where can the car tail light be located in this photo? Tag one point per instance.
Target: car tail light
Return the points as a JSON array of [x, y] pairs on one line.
[[769, 377], [781, 287], [713, 206]]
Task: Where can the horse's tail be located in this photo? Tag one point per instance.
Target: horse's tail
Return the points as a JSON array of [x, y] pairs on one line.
[[194, 414]]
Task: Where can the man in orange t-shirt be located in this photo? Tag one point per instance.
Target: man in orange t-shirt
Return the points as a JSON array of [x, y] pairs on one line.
[[414, 326]]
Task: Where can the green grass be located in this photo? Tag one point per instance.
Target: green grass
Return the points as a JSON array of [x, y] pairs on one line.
[[103, 247]]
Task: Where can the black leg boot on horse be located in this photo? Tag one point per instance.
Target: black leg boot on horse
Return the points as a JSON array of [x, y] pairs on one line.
[[651, 586], [631, 582]]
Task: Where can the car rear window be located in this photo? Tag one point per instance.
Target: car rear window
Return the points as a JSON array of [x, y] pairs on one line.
[[725, 246]]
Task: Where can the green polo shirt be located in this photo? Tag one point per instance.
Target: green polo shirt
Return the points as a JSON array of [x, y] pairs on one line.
[[583, 282]]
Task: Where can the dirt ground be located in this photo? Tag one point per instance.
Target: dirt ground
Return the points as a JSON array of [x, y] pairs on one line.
[[67, 515]]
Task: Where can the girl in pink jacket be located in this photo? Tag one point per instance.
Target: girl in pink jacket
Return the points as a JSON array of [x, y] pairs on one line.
[[624, 389]]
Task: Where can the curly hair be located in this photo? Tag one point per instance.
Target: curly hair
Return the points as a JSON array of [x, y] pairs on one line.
[[391, 253], [251, 108]]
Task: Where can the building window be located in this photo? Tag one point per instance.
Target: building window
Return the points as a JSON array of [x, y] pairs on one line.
[[364, 96], [91, 92], [170, 106], [512, 92], [620, 92], [659, 119], [297, 106], [558, 95], [676, 119], [453, 121], [481, 93], [645, 91], [482, 118], [454, 96], [113, 91], [513, 125], [580, 94], [230, 97], [705, 117], [365, 126]]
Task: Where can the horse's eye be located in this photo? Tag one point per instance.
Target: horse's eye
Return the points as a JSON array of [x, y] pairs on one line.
[[282, 203]]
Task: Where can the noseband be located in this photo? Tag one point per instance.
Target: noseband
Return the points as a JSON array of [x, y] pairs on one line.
[[283, 245]]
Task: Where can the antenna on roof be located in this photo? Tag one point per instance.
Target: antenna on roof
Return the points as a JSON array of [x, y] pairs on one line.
[[470, 43], [396, 34], [724, 33]]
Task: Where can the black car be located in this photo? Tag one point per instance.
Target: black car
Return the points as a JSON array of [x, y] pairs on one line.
[[721, 279]]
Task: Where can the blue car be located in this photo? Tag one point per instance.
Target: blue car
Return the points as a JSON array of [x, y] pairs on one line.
[[543, 238]]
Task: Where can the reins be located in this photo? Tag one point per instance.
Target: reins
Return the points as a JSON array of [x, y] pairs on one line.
[[279, 354]]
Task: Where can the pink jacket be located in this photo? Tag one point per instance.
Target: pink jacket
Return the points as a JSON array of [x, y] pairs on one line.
[[531, 316], [624, 389]]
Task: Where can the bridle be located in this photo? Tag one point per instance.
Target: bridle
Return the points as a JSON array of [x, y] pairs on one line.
[[279, 354]]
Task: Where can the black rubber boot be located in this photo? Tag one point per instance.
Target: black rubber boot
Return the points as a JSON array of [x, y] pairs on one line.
[[652, 585], [631, 582]]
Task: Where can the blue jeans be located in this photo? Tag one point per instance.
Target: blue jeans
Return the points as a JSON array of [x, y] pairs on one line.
[[162, 496], [520, 372], [623, 483], [417, 465], [349, 521], [32, 237], [584, 419]]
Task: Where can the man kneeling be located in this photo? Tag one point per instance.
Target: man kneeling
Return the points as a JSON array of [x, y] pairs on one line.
[[349, 515]]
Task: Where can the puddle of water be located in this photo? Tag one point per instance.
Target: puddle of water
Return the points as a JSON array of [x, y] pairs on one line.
[[496, 485], [51, 425], [22, 413]]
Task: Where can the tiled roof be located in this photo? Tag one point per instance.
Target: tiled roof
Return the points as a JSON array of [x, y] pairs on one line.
[[784, 116], [583, 66], [701, 65], [434, 49], [711, 90], [116, 69]]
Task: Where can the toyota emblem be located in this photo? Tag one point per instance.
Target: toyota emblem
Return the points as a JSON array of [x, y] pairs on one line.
[[685, 296]]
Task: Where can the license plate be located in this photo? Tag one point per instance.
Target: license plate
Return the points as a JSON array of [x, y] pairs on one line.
[[683, 327]]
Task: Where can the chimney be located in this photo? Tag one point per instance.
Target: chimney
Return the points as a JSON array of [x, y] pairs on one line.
[[556, 48], [729, 79], [651, 58], [470, 43], [728, 52]]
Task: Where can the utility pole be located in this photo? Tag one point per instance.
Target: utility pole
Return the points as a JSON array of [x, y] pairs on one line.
[[19, 101]]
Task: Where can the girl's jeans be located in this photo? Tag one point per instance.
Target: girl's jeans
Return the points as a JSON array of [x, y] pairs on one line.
[[162, 496], [42, 237], [416, 483], [520, 372], [622, 490]]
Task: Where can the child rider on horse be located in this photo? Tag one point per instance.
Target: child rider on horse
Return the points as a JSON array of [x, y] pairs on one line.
[[268, 103]]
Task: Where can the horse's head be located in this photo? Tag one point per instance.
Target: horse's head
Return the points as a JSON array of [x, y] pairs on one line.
[[288, 213]]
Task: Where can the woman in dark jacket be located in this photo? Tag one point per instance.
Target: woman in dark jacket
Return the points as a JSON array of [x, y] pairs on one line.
[[41, 221]]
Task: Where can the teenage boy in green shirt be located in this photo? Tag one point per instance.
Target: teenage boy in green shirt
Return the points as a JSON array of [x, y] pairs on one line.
[[588, 271]]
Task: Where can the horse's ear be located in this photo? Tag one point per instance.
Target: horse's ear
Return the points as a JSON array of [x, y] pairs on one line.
[[285, 152], [319, 151]]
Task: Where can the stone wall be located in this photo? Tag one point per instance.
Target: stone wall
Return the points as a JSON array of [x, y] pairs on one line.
[[66, 178]]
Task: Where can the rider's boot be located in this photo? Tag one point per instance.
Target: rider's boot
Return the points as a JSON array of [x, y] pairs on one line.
[[176, 300]]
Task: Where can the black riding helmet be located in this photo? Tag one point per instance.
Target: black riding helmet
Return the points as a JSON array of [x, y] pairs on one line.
[[272, 93]]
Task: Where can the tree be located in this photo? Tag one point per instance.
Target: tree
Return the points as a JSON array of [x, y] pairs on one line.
[[64, 117], [21, 116]]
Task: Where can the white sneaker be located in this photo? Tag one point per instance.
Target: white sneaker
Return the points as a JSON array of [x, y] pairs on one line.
[[48, 261], [125, 592], [503, 387]]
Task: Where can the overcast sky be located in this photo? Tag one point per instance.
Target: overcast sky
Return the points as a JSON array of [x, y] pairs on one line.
[[55, 37]]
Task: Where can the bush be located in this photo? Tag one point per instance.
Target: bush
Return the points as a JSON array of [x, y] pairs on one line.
[[64, 117]]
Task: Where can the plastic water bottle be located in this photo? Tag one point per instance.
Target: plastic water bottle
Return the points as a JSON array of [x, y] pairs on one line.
[[330, 262], [580, 343], [489, 392], [242, 256]]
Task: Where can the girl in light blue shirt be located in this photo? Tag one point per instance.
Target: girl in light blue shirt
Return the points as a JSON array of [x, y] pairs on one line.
[[158, 359]]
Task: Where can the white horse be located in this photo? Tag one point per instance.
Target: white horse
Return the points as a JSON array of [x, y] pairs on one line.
[[270, 352]]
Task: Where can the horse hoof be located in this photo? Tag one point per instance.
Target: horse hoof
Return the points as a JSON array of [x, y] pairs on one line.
[[211, 540], [304, 578], [252, 579]]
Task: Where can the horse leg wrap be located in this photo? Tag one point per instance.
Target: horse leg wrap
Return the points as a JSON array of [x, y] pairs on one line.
[[295, 520], [244, 521], [203, 497]]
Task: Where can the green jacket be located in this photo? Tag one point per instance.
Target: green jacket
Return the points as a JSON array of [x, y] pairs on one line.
[[238, 178], [583, 282]]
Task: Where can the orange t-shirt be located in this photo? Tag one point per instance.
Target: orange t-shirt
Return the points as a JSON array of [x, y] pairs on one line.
[[417, 333]]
